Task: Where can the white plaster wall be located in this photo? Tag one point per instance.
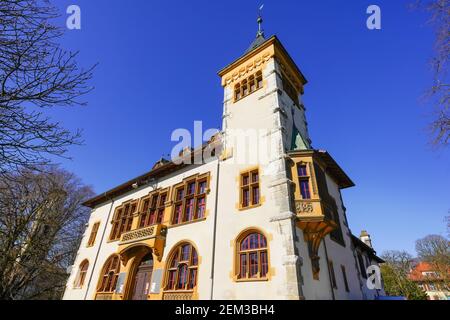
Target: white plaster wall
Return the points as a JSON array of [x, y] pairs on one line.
[[201, 238]]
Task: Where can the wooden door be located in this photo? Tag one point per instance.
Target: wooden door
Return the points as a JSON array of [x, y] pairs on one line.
[[141, 287]]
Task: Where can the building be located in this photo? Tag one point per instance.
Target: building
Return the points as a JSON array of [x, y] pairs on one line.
[[430, 281], [273, 227], [366, 256]]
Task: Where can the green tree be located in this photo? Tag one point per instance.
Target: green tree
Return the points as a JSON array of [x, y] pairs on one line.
[[395, 272]]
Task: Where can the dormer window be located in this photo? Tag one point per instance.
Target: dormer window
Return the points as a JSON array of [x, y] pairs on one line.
[[248, 86]]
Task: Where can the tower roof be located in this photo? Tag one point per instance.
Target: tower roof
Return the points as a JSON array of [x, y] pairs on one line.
[[259, 40]]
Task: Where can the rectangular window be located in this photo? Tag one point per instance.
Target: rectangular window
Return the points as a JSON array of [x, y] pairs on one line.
[[264, 264], [253, 257], [250, 192], [93, 234], [362, 268], [192, 278], [201, 204], [344, 275], [123, 219], [290, 90], [332, 274], [152, 209], [243, 265], [190, 200], [303, 177], [248, 85]]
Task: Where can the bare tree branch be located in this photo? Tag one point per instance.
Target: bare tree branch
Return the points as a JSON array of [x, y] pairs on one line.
[[35, 75]]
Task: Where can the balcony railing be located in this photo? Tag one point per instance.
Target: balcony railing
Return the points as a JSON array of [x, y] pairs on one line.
[[143, 234]]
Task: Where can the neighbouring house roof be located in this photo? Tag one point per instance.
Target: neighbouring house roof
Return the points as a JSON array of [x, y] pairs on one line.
[[358, 243], [416, 273]]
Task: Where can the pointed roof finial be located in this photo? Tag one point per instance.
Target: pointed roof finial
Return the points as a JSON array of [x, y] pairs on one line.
[[260, 21]]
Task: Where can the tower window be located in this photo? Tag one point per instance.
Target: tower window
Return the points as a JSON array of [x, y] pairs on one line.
[[248, 85], [303, 178], [259, 81], [250, 195], [290, 90]]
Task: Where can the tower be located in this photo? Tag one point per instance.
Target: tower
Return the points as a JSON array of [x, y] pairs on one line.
[[263, 118]]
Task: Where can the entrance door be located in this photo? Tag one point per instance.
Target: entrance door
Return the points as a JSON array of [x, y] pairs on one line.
[[143, 278]]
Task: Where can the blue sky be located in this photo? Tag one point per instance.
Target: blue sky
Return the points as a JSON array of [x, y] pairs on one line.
[[158, 63]]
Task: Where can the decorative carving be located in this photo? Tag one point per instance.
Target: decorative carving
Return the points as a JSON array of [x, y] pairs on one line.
[[303, 207], [138, 234], [252, 66], [178, 296]]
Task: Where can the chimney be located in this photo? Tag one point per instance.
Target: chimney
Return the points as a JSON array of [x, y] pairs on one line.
[[365, 237]]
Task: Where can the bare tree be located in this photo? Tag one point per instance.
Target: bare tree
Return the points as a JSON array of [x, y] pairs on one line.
[[35, 75], [41, 224], [435, 250], [439, 93]]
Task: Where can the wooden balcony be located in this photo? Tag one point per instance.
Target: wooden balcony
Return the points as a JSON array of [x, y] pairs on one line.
[[153, 237]]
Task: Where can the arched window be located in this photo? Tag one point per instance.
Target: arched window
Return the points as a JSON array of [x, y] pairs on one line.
[[182, 268], [82, 270], [252, 258], [109, 275]]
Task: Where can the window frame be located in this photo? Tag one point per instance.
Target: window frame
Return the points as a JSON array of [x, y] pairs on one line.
[[106, 271], [83, 268], [191, 268], [120, 222], [259, 250], [332, 274], [289, 89], [248, 85], [304, 177], [93, 234], [249, 187], [344, 276], [183, 202], [146, 219]]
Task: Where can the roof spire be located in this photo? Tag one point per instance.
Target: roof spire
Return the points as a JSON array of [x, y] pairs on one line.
[[260, 21]]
